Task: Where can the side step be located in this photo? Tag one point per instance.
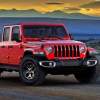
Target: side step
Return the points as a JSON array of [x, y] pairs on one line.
[[7, 67]]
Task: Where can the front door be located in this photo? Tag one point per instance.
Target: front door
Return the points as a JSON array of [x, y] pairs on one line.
[[14, 47]]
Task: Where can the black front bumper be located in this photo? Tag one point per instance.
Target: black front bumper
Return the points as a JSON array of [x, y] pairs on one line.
[[88, 62], [69, 63], [66, 67]]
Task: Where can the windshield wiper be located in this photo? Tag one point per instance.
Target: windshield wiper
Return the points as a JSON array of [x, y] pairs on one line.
[[58, 37]]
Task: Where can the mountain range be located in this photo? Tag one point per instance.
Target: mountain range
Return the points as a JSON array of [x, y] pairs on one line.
[[54, 14]]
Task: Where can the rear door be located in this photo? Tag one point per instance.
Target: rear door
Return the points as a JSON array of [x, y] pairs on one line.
[[4, 46]]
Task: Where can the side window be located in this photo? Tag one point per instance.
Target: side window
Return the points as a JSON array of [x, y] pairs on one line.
[[16, 34], [6, 34]]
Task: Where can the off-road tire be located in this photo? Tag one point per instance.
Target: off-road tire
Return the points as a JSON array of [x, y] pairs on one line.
[[1, 71], [87, 75], [39, 74]]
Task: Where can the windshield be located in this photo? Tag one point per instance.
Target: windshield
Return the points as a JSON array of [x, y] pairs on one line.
[[44, 31]]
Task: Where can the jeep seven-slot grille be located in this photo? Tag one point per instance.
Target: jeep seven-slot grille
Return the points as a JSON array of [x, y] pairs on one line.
[[66, 51]]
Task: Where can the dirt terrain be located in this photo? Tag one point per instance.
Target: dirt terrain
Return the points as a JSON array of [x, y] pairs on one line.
[[54, 88]]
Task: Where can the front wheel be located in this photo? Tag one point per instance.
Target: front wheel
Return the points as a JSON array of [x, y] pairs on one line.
[[87, 75], [30, 73], [1, 71]]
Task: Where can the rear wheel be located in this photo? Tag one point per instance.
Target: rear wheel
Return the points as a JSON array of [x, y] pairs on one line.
[[30, 73], [87, 75]]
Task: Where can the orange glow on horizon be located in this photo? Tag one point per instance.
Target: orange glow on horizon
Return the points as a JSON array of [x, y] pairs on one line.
[[43, 6]]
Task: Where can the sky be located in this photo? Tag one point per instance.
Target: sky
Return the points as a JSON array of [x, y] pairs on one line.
[[88, 7]]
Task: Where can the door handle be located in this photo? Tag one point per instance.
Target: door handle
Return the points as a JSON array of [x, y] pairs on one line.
[[10, 46]]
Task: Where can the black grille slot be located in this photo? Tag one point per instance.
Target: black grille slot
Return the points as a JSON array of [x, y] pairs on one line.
[[66, 51], [55, 51], [75, 52], [63, 51], [59, 51], [71, 51], [78, 52]]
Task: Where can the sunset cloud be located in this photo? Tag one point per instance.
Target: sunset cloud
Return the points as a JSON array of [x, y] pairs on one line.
[[54, 3], [89, 7], [72, 8], [94, 4]]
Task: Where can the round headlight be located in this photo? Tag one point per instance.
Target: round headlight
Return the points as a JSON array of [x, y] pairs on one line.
[[82, 49], [49, 49]]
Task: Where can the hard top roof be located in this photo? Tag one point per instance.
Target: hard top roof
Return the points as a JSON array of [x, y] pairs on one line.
[[36, 23]]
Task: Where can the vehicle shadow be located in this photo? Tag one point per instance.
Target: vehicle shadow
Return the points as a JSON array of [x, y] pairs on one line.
[[10, 80], [51, 80], [60, 80]]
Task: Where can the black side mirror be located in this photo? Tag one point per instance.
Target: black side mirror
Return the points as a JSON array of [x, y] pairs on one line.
[[71, 37]]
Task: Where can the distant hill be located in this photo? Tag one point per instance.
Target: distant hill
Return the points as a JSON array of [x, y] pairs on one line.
[[19, 13], [60, 14], [34, 13]]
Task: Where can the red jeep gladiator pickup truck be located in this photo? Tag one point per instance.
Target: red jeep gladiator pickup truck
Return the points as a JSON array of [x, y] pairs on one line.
[[37, 49]]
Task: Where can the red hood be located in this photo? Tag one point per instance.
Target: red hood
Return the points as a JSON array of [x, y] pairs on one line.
[[48, 42], [63, 42]]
